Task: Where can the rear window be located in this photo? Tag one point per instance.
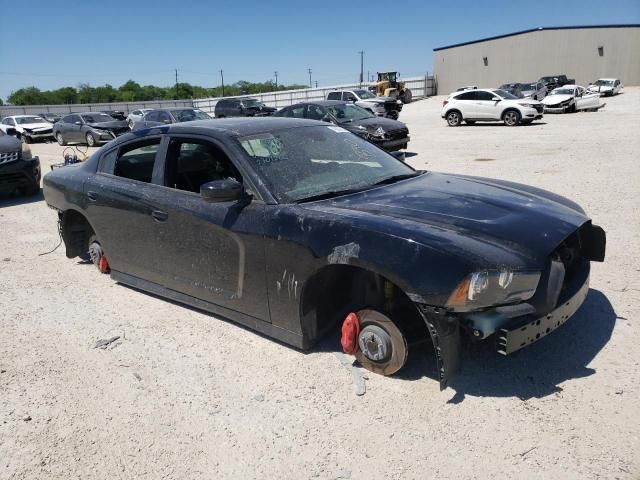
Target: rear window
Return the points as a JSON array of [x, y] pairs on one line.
[[334, 96], [136, 162]]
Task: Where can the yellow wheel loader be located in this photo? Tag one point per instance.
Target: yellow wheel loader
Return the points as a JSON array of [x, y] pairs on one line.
[[389, 86]]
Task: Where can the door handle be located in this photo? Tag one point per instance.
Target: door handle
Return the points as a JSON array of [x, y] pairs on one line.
[[159, 215], [93, 196]]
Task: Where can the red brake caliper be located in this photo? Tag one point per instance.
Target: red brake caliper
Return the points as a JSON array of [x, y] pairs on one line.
[[350, 332], [103, 265]]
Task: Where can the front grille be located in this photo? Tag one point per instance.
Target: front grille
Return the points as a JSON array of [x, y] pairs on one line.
[[392, 106], [398, 134], [47, 131], [539, 107], [9, 157], [11, 178]]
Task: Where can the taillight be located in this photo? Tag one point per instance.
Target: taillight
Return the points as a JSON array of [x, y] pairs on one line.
[[444, 102]]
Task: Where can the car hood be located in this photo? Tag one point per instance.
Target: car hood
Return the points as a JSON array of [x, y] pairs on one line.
[[515, 216], [115, 124], [555, 99], [9, 143], [373, 123], [35, 126], [599, 88], [378, 100]]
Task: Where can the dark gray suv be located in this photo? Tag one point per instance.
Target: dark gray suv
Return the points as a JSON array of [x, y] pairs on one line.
[[242, 107]]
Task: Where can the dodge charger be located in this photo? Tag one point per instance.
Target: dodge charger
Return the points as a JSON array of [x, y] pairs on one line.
[[299, 229]]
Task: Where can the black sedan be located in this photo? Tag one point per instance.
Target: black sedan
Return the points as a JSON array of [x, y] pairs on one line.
[[167, 116], [292, 227], [388, 134], [92, 128], [50, 117]]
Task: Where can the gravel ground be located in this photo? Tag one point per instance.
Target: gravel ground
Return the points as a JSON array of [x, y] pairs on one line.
[[185, 395]]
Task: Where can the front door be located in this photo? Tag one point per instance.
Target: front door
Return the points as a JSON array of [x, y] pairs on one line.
[[485, 107], [210, 251]]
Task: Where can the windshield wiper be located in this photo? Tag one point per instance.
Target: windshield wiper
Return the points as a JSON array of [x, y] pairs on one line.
[[397, 178], [330, 194]]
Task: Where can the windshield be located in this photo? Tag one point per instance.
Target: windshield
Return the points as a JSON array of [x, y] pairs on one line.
[[97, 118], [562, 91], [506, 95], [364, 94], [603, 83], [304, 162], [25, 120], [347, 113], [252, 103], [187, 115]]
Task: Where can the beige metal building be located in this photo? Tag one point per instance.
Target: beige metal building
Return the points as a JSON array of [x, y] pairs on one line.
[[585, 53]]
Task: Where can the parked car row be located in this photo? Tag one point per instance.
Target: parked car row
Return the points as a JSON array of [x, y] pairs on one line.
[[522, 103]]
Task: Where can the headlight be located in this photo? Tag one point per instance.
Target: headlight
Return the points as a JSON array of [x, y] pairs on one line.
[[26, 152], [493, 287], [378, 133], [379, 106], [530, 105]]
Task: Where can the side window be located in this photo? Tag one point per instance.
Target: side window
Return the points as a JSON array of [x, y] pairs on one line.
[[484, 95], [315, 112], [466, 96], [151, 116], [617, 82], [66, 119], [136, 161], [334, 96], [5, 121], [74, 118], [221, 104], [296, 112], [191, 164], [11, 121], [136, 112], [348, 97], [164, 117]]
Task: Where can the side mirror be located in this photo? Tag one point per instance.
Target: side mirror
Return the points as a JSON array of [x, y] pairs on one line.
[[166, 120], [326, 118], [11, 131], [496, 99], [221, 190], [78, 122]]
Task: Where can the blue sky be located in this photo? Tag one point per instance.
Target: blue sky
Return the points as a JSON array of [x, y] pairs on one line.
[[53, 44]]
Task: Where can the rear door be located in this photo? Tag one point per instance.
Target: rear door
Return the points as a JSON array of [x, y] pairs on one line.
[[210, 251], [121, 204]]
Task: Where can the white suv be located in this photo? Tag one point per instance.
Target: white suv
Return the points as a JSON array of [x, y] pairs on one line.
[[490, 105]]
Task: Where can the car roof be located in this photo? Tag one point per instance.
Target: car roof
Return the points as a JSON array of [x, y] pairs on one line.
[[323, 103], [607, 79], [240, 126]]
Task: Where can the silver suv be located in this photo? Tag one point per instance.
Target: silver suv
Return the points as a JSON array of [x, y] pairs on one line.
[[380, 106]]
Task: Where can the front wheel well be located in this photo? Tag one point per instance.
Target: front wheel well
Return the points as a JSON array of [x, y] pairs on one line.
[[509, 109], [337, 290], [76, 232]]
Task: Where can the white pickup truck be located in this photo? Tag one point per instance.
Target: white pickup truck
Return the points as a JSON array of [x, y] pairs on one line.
[[380, 106]]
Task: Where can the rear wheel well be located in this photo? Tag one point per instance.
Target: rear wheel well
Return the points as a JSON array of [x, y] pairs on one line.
[[336, 290], [76, 231]]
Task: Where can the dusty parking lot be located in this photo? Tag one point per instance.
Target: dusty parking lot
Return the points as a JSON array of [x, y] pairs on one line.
[[185, 395]]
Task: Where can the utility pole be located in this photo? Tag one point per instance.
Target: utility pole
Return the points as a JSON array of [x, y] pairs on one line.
[[361, 52], [222, 77], [309, 70], [276, 74], [176, 83], [316, 83]]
